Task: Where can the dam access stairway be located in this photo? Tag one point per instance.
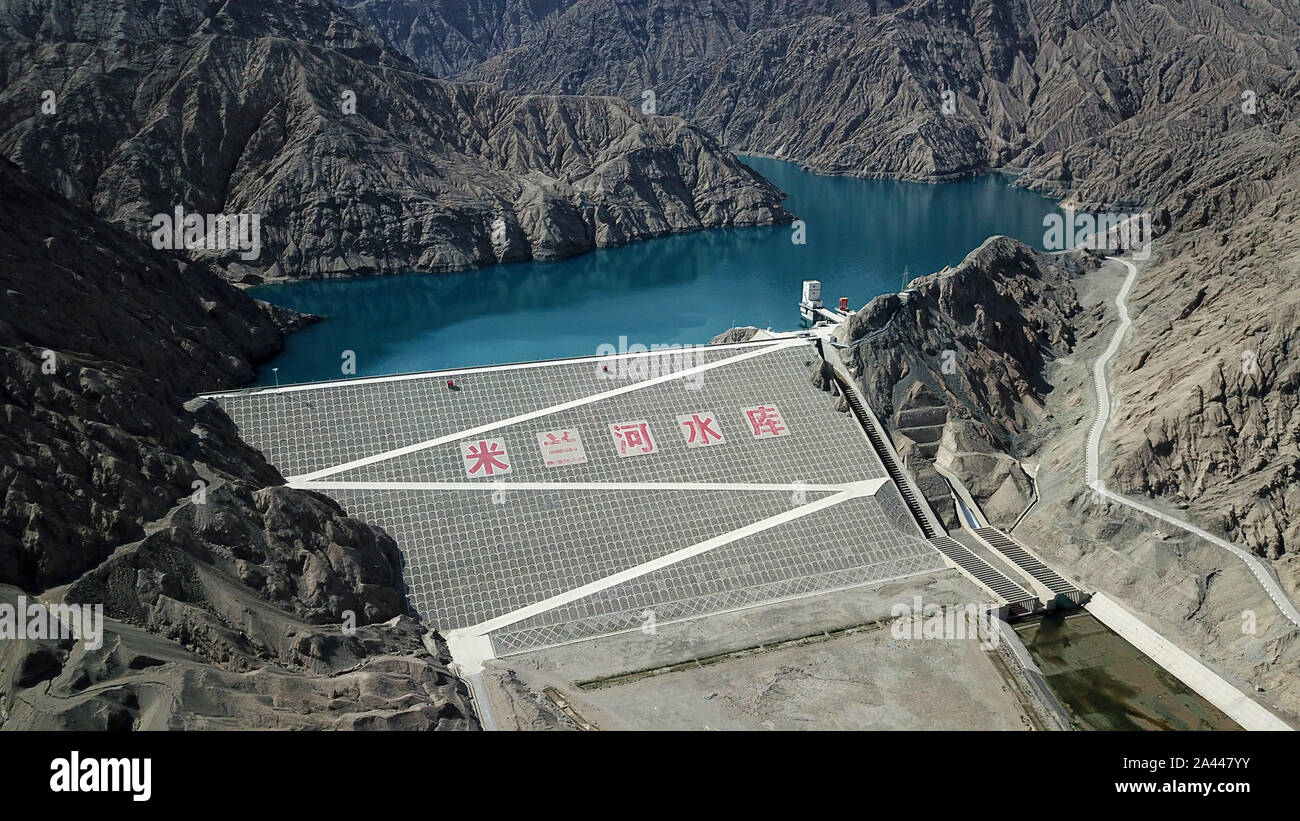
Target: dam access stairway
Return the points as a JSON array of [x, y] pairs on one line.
[[1011, 550], [1015, 600], [1020, 602], [924, 518], [923, 423]]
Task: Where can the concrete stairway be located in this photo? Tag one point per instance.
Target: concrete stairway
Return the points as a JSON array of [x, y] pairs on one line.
[[989, 576], [892, 467], [1009, 549]]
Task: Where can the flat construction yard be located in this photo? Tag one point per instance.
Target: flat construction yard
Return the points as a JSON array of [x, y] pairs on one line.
[[827, 662]]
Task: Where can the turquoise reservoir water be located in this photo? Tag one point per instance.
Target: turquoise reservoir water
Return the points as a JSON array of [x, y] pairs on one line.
[[860, 235]]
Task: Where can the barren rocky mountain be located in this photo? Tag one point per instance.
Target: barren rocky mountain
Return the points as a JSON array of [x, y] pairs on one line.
[[225, 594], [1210, 409], [445, 38], [356, 162], [1188, 110], [859, 87], [957, 371]]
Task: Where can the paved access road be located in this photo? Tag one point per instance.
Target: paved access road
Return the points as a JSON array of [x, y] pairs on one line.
[[1261, 571]]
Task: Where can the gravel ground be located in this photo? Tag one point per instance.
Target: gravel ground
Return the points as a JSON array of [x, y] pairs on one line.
[[858, 679]]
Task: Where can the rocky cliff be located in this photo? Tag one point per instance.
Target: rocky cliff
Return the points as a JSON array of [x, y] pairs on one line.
[[1209, 403], [1057, 87], [446, 38], [354, 161], [956, 366], [225, 594]]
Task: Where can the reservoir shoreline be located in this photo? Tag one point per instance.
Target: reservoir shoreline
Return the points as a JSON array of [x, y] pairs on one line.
[[860, 238]]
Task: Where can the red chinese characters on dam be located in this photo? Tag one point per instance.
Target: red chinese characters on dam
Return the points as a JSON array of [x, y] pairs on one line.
[[633, 438], [765, 422], [485, 457], [701, 429]]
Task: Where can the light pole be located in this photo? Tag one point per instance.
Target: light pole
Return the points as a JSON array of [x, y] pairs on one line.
[[276, 371]]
